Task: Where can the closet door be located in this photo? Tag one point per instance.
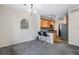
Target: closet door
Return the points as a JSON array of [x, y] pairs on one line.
[[74, 27]]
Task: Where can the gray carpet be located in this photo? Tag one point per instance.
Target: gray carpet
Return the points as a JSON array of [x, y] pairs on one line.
[[38, 48]]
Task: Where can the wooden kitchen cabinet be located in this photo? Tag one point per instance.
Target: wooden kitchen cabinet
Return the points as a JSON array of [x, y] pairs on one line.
[[45, 23]]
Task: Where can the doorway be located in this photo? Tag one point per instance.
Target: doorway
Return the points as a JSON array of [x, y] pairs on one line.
[[62, 36]]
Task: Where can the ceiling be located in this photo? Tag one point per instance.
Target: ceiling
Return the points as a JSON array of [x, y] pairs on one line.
[[49, 10], [58, 10]]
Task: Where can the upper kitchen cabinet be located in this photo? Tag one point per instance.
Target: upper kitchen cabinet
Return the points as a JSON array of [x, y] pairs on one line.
[[46, 23]]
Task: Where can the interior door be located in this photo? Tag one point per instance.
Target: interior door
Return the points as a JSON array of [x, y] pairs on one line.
[[74, 28]]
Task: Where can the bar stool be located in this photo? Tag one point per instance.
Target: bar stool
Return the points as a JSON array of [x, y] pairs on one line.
[[46, 37], [40, 35]]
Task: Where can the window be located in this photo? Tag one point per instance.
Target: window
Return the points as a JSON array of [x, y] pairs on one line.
[[24, 24]]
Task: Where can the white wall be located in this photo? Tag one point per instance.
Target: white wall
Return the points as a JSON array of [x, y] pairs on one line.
[[74, 27], [10, 32]]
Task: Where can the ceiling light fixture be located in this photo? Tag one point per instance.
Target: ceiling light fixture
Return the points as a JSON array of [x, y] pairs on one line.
[[31, 8]]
